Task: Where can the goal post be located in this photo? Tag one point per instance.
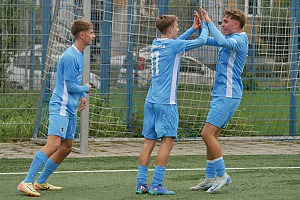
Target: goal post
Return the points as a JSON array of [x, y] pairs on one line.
[[84, 119]]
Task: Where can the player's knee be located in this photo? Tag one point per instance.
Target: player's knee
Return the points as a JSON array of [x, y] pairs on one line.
[[172, 143], [168, 142], [49, 149], [67, 149], [204, 135]]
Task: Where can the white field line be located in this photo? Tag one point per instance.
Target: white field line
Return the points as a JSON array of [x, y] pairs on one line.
[[134, 170]]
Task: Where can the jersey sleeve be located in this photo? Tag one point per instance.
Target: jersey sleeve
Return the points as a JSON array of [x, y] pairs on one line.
[[178, 46], [186, 45], [211, 41], [186, 34], [71, 73], [200, 41], [71, 69], [234, 43], [82, 95], [72, 87]]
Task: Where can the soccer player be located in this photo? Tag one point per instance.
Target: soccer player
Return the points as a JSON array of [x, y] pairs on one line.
[[160, 111], [62, 111], [226, 94]]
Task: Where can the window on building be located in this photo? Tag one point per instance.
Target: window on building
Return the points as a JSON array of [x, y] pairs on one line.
[[256, 6]]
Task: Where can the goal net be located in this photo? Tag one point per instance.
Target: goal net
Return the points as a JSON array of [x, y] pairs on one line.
[[60, 38]]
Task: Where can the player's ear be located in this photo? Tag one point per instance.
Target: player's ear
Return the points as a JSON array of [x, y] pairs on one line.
[[237, 25], [81, 34], [170, 29]]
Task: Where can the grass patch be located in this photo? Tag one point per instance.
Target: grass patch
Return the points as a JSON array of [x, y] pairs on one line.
[[247, 184]]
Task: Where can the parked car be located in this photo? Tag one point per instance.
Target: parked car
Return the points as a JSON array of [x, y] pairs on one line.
[[27, 58], [19, 78], [22, 75], [140, 74], [24, 59], [191, 70], [119, 63], [144, 57]]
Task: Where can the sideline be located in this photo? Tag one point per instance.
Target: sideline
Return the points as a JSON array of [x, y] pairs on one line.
[[135, 170]]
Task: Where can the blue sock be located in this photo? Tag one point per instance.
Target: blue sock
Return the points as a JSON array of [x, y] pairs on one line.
[[210, 171], [49, 168], [37, 163], [158, 176], [220, 166], [142, 174]]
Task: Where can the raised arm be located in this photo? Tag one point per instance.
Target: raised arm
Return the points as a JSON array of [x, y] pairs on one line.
[[186, 34], [233, 43], [218, 38], [197, 25], [200, 41]]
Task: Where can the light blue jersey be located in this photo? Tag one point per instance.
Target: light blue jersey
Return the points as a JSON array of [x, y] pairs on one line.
[[165, 59], [68, 89], [232, 59]]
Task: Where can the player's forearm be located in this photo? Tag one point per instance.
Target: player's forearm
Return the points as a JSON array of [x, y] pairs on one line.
[[212, 42], [187, 34], [73, 88], [219, 37], [200, 41], [83, 95], [199, 31], [204, 24]]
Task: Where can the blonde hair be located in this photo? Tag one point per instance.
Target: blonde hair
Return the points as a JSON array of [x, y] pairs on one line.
[[237, 15]]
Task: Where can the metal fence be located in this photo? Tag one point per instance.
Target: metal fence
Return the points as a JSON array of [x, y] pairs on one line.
[[124, 30]]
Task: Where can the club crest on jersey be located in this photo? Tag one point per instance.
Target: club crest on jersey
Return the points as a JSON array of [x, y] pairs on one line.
[[62, 129]]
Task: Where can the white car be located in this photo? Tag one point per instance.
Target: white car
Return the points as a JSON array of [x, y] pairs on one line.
[[19, 78], [195, 72], [25, 70], [27, 58]]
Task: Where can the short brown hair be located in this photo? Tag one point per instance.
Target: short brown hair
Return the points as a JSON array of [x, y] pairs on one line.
[[164, 22], [236, 14], [80, 25]]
